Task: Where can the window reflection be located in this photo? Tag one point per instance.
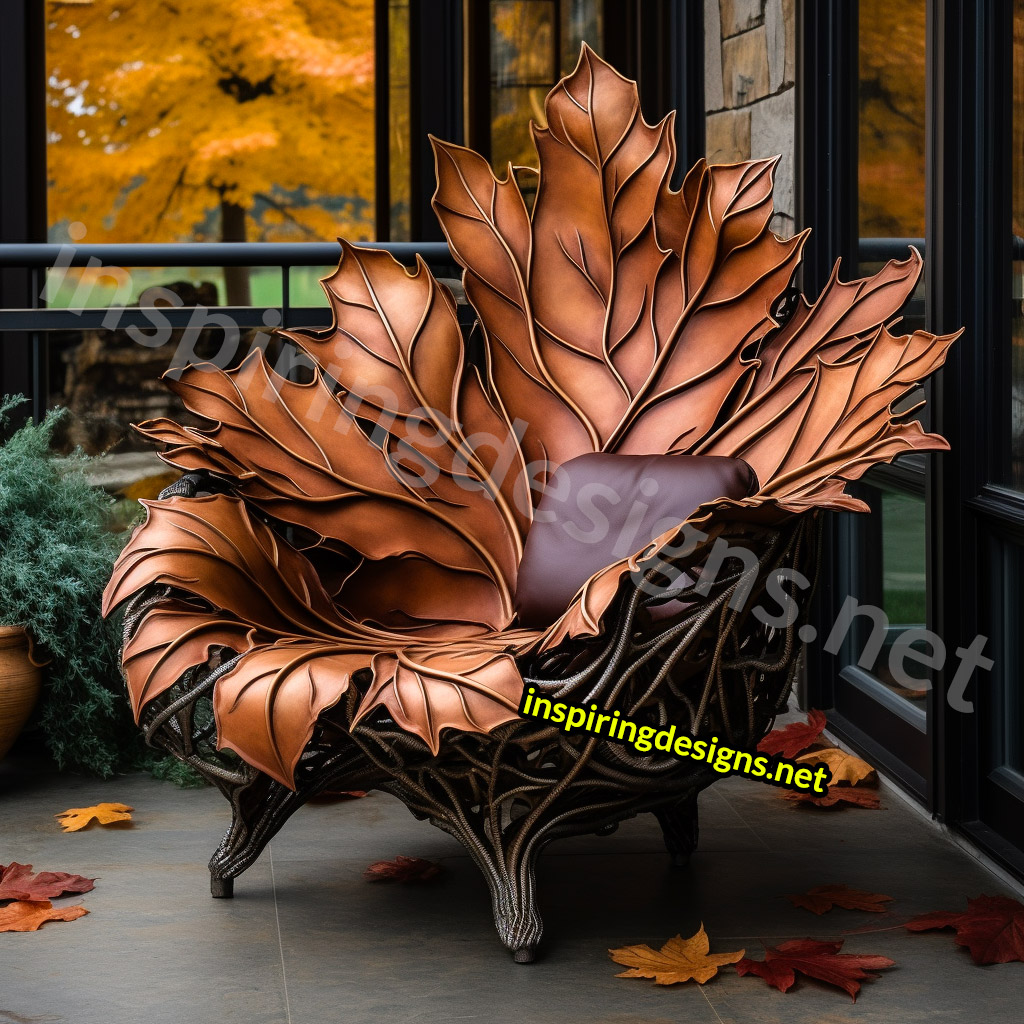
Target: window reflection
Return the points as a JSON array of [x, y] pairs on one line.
[[892, 118], [891, 559], [533, 43], [894, 580], [400, 181]]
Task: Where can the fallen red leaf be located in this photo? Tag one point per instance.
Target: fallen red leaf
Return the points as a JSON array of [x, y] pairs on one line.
[[402, 869], [856, 795], [18, 883], [77, 818], [27, 917], [992, 928], [794, 738], [824, 897], [821, 960]]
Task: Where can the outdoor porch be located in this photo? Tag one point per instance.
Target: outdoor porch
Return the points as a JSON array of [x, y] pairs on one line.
[[306, 939]]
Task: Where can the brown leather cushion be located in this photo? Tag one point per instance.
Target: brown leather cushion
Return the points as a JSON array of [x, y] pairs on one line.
[[598, 508]]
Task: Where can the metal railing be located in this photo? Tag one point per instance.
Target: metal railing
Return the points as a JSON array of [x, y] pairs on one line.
[[40, 257], [35, 322]]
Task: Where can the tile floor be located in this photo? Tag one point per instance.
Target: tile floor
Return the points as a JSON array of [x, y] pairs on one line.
[[306, 940]]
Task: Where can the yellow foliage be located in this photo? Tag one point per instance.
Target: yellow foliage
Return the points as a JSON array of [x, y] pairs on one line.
[[160, 112], [892, 118]]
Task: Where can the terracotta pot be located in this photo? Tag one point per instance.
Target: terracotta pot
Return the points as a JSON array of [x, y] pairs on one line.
[[21, 679]]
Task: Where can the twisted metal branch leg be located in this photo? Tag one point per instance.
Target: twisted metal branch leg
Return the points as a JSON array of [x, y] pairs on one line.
[[679, 827], [259, 807]]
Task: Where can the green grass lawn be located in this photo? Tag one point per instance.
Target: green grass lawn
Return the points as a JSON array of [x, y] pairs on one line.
[[265, 285]]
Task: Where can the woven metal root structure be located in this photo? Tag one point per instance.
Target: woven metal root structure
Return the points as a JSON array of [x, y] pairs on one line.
[[713, 668]]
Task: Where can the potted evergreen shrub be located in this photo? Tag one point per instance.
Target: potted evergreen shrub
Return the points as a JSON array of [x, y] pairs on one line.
[[56, 552]]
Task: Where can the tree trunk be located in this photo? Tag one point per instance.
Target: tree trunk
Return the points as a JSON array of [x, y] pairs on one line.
[[236, 279]]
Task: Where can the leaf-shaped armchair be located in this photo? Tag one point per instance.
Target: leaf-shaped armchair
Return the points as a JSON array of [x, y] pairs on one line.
[[327, 596]]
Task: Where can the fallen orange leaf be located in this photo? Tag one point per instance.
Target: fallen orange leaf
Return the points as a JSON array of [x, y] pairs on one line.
[[856, 795], [843, 766], [18, 883], [78, 818], [677, 961], [824, 897], [27, 917], [402, 869]]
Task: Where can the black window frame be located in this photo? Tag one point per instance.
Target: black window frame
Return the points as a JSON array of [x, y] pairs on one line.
[[968, 284]]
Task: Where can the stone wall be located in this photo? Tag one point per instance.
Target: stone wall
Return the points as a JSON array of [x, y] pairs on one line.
[[749, 89]]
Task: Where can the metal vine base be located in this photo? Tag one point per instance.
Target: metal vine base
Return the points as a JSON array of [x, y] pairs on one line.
[[712, 669]]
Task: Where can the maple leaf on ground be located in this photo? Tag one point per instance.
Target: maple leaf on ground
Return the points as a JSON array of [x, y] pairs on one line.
[[794, 738], [992, 928], [402, 869], [859, 796], [824, 897], [843, 766], [677, 961], [25, 916], [18, 883], [77, 818], [820, 960]]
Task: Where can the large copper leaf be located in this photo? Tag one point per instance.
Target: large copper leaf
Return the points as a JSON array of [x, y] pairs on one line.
[[617, 318], [213, 548], [820, 407], [267, 705], [471, 685], [489, 233], [261, 599], [396, 349], [299, 452], [171, 639], [733, 271]]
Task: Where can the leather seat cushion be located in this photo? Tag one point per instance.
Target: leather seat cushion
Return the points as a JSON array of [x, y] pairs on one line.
[[599, 508]]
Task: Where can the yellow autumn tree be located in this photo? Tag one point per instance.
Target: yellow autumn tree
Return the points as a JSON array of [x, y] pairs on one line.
[[891, 98], [233, 119]]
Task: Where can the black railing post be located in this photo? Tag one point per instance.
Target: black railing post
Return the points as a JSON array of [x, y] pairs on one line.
[[969, 285], [435, 65], [826, 200]]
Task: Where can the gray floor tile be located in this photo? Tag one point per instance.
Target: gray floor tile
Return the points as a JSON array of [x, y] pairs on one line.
[[306, 939]]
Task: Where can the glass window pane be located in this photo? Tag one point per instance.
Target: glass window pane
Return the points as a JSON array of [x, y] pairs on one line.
[[581, 22], [203, 121], [891, 143], [522, 72], [399, 120], [533, 43], [893, 580], [904, 591], [892, 118]]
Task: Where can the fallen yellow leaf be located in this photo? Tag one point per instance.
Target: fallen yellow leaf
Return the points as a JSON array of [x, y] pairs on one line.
[[677, 961], [843, 766], [105, 814], [27, 917]]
